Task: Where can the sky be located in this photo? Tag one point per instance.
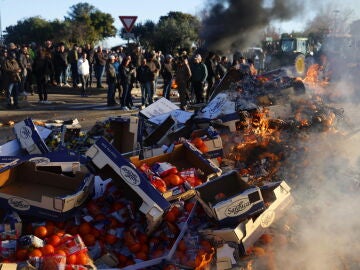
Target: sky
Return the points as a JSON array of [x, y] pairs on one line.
[[13, 11]]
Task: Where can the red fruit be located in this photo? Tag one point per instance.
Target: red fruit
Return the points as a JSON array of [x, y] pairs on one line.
[[170, 216], [174, 179], [159, 184], [135, 247], [189, 206]]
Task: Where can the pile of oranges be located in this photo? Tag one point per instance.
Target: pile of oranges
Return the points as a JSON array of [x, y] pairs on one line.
[[54, 237]]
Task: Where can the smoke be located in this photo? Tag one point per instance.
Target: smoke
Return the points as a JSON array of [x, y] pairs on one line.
[[234, 24], [324, 223]]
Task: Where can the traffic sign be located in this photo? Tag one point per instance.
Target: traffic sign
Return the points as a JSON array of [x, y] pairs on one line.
[[128, 36], [128, 22]]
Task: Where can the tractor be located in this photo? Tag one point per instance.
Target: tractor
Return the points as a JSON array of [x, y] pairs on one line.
[[292, 52]]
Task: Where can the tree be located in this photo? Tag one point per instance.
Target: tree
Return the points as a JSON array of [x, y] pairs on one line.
[[144, 33], [29, 30], [88, 24], [176, 30], [84, 24]]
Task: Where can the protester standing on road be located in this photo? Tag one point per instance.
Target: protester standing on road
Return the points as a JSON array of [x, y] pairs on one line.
[[90, 57], [25, 65], [210, 66], [182, 76], [73, 58], [127, 73], [12, 80], [144, 77], [198, 78], [111, 80], [42, 68], [99, 66], [61, 64], [167, 73], [83, 68], [155, 67]]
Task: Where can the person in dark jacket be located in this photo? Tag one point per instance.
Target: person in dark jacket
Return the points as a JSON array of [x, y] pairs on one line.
[[182, 77], [12, 80], [111, 79], [144, 77], [99, 66], [210, 66], [167, 74], [127, 74], [61, 64], [198, 78], [42, 68]]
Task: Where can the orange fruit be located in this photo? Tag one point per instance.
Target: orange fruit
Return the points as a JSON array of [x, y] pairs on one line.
[[60, 252], [40, 232], [50, 226], [89, 239], [198, 142], [135, 247], [21, 254], [71, 259], [110, 239], [48, 249], [141, 255], [182, 245], [203, 148], [82, 258], [35, 253], [54, 240], [84, 228]]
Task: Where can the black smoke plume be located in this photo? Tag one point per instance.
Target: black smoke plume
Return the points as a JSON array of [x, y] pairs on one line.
[[230, 24]]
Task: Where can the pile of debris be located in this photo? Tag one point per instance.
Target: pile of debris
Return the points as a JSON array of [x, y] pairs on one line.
[[164, 189]]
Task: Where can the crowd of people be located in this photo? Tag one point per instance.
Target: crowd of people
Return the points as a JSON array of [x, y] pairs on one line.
[[31, 69]]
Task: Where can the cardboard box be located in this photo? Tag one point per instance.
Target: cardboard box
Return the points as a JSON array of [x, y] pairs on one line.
[[212, 140], [29, 137], [58, 161], [278, 196], [184, 156], [159, 107], [109, 163], [8, 266], [229, 200], [43, 194], [156, 136], [125, 130]]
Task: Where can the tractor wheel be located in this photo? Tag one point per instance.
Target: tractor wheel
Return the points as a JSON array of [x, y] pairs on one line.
[[299, 87], [300, 66]]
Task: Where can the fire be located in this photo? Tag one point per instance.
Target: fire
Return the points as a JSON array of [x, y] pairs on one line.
[[315, 76], [204, 259]]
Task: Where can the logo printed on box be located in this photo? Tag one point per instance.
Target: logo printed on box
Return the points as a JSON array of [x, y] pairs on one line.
[[19, 203], [238, 207], [129, 175], [267, 218], [25, 132], [39, 160]]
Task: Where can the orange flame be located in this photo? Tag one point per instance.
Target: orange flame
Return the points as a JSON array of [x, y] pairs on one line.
[[203, 259]]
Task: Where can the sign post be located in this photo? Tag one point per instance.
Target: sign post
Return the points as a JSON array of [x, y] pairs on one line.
[[128, 23]]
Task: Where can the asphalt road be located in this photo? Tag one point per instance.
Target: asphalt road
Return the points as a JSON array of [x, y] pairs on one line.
[[66, 104]]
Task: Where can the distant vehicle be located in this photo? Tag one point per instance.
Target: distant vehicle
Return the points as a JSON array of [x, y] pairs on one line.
[[292, 52]]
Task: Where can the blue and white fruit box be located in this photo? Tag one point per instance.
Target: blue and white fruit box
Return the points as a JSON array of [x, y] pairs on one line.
[[278, 199], [229, 200], [29, 137], [44, 194], [107, 162]]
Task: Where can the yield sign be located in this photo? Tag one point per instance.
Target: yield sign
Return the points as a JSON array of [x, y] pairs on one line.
[[128, 22]]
